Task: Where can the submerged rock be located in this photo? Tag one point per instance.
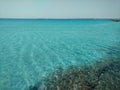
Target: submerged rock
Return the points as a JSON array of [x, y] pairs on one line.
[[102, 76]]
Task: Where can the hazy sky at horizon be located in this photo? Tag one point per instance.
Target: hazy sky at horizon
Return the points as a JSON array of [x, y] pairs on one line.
[[59, 8]]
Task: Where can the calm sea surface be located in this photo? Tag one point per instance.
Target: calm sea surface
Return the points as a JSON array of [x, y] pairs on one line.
[[30, 49]]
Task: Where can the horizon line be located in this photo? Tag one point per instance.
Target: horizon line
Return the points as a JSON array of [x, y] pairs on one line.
[[65, 18]]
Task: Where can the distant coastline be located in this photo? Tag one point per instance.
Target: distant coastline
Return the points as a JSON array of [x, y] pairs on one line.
[[108, 19], [116, 20]]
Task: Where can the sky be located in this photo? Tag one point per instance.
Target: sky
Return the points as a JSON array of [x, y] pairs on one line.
[[59, 8]]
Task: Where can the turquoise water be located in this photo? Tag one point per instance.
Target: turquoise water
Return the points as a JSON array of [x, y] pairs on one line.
[[30, 49]]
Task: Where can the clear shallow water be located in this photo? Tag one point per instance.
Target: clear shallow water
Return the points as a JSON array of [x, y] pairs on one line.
[[29, 49]]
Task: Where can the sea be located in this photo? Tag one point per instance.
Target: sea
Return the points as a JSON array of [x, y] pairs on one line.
[[32, 48]]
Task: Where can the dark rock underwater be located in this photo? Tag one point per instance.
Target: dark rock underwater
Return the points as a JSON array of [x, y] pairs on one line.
[[103, 75]]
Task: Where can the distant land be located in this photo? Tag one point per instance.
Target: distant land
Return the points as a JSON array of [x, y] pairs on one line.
[[116, 20]]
